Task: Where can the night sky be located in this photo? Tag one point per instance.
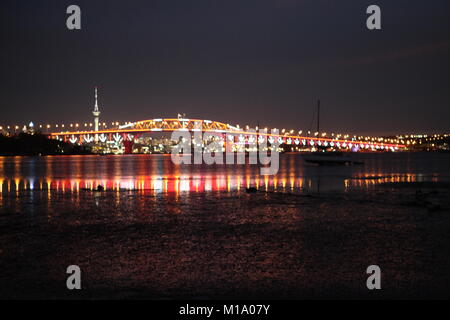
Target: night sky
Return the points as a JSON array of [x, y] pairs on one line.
[[240, 62]]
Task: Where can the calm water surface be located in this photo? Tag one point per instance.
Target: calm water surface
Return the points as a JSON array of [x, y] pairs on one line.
[[157, 173], [161, 230]]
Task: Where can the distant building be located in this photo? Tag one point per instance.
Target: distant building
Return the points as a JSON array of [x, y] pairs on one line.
[[96, 112]]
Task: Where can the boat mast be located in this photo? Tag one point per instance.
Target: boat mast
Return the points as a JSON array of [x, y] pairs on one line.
[[318, 116]]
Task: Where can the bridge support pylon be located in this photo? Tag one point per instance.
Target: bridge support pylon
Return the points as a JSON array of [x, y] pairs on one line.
[[128, 146]]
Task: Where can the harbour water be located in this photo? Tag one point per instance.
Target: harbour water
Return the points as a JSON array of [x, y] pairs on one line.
[[163, 231], [157, 173]]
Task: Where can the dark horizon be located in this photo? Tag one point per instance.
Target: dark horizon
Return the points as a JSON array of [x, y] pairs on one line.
[[263, 62]]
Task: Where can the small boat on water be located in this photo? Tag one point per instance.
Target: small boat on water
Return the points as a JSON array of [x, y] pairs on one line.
[[324, 157], [329, 158]]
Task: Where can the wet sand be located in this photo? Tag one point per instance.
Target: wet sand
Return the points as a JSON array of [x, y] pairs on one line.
[[227, 244]]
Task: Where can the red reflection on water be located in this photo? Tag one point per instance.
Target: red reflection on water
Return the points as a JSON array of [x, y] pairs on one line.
[[157, 174], [157, 184]]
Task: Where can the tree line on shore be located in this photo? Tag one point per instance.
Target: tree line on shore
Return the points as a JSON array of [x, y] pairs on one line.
[[25, 144]]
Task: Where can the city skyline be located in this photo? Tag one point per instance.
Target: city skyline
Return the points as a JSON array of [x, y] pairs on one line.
[[97, 125], [225, 158], [210, 62]]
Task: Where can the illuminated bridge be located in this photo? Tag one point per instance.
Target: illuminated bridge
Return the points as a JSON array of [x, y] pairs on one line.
[[127, 135]]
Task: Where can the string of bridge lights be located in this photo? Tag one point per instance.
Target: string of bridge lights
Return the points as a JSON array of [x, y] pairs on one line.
[[404, 139]]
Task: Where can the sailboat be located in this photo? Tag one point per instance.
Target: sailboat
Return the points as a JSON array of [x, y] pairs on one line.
[[323, 157]]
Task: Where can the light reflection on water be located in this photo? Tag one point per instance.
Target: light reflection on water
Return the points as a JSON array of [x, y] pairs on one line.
[[157, 174]]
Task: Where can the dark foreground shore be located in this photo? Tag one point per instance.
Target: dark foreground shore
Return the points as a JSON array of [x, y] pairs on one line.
[[227, 245]]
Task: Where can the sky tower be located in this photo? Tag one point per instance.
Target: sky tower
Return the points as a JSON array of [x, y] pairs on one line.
[[96, 112]]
